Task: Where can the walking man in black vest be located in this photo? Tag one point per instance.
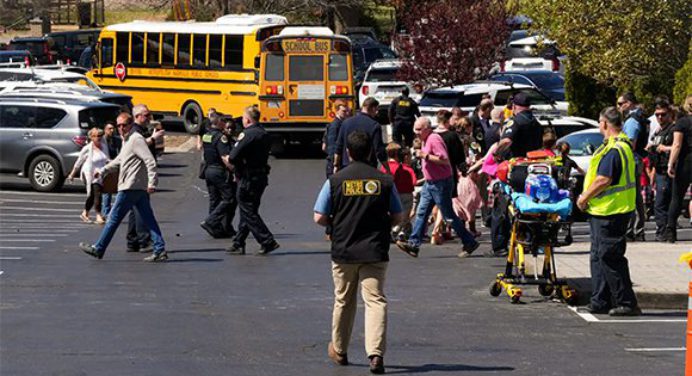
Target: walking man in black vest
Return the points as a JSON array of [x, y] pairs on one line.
[[362, 205]]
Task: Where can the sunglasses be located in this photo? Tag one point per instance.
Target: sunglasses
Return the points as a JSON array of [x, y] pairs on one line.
[[620, 103], [661, 114]]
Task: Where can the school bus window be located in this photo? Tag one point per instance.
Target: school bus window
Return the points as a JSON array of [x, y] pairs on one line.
[[184, 50], [305, 68], [215, 50], [122, 47], [199, 50], [233, 52], [153, 48], [274, 69], [137, 48], [106, 52], [168, 49], [338, 68]]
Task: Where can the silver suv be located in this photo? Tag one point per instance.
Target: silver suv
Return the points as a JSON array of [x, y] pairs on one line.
[[41, 138]]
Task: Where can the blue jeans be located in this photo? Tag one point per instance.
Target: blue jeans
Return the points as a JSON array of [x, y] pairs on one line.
[[106, 200], [438, 193], [124, 201]]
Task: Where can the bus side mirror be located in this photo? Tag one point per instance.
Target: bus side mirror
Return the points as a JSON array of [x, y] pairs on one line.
[[257, 62]]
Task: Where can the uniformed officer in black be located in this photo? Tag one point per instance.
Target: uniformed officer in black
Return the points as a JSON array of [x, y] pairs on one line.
[[402, 114], [362, 204], [217, 173], [249, 156], [523, 132]]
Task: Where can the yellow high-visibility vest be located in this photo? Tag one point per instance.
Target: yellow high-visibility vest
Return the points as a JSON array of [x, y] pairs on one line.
[[618, 198]]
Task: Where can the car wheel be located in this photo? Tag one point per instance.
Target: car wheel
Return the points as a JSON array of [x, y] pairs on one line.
[[45, 174], [192, 117]]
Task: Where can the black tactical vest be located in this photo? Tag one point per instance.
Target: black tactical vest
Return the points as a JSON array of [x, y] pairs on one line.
[[361, 223]]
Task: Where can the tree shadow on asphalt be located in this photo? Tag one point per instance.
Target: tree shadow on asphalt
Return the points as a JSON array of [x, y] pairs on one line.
[[444, 368], [301, 253], [194, 259], [171, 165], [196, 250]]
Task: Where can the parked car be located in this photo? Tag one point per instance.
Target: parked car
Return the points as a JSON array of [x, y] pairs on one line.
[[468, 96], [41, 48], [526, 51], [41, 138], [365, 54], [8, 75], [67, 91], [380, 82], [15, 59], [360, 34], [550, 83], [69, 45]]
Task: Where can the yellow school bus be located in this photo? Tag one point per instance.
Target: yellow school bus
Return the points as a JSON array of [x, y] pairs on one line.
[[185, 68], [304, 73]]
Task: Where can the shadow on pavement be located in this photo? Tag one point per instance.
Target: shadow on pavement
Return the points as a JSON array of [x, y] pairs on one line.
[[196, 250], [197, 259], [444, 368]]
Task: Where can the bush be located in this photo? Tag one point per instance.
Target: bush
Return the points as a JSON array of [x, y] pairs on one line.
[[683, 80], [586, 97]]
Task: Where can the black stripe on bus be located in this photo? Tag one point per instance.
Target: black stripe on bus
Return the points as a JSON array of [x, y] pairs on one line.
[[167, 90], [248, 93], [132, 77]]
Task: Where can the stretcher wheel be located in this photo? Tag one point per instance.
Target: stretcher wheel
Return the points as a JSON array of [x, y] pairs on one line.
[[495, 289], [546, 289], [569, 295], [515, 299]]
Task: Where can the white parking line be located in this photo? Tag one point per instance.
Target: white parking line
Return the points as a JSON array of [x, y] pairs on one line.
[[1, 247], [37, 209], [36, 226], [39, 215], [52, 194], [593, 319], [19, 230], [27, 240], [2, 200], [24, 234], [655, 349], [10, 258]]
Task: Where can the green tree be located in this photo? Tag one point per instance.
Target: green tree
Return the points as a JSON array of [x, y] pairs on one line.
[[626, 44]]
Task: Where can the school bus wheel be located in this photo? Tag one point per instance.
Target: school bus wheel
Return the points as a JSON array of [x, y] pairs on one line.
[[495, 289], [192, 117]]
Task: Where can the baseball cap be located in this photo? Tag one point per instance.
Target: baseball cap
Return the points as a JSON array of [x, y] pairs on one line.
[[521, 99]]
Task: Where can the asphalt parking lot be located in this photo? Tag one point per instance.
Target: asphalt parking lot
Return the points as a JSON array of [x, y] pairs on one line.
[[64, 313]]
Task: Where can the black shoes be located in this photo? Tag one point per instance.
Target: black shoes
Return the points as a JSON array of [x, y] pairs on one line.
[[376, 364], [235, 250], [143, 249], [408, 248], [268, 248], [157, 257], [90, 250], [625, 311], [468, 250]]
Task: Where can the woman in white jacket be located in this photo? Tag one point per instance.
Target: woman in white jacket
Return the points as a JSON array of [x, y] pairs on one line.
[[93, 156]]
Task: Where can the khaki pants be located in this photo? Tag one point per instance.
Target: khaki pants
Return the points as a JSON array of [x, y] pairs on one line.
[[346, 280]]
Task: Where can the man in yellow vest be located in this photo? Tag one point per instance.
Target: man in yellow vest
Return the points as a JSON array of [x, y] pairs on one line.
[[609, 197]]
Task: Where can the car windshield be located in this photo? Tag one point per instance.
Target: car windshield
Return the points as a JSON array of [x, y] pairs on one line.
[[36, 48], [439, 99], [583, 144], [376, 53], [98, 116], [382, 75], [547, 51], [547, 80]]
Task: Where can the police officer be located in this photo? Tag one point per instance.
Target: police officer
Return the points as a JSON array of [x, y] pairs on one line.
[[220, 184], [523, 133], [362, 205], [402, 113], [660, 155], [249, 156], [331, 133], [609, 197]]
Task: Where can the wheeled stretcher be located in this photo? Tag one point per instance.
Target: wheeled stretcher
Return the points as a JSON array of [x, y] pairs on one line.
[[535, 228]]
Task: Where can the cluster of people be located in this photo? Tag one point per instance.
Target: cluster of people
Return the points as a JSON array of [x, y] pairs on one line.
[[662, 154]]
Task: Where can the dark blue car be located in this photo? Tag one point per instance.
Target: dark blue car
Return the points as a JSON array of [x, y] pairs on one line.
[[550, 83]]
